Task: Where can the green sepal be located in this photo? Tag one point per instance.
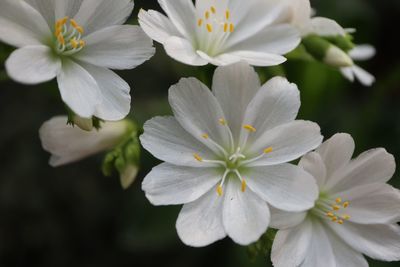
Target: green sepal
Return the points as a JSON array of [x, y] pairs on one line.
[[343, 42], [316, 46], [263, 246]]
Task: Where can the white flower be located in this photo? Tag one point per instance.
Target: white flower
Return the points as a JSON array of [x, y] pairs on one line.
[[360, 53], [69, 144], [222, 32], [356, 212], [76, 41], [226, 155]]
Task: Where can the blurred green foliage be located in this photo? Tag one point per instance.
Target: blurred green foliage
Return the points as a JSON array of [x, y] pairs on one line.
[[74, 216]]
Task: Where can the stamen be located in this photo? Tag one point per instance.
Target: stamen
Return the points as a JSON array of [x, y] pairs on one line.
[[200, 22], [336, 207], [338, 200], [82, 43], [205, 136], [227, 14], [340, 222], [74, 43], [346, 204], [209, 27], [268, 150], [213, 10], [60, 39], [226, 27], [249, 128], [244, 185], [197, 157], [219, 190], [222, 122], [231, 27], [207, 15], [346, 217]]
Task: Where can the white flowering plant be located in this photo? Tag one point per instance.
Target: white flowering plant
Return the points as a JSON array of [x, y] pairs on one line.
[[233, 140]]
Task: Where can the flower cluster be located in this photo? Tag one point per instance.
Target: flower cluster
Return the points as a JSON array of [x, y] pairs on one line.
[[229, 152]]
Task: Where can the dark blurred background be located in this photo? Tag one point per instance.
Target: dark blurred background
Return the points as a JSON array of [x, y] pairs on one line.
[[73, 216]]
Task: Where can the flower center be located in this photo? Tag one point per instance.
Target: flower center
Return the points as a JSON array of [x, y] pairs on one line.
[[230, 162], [68, 36], [214, 27], [332, 210]]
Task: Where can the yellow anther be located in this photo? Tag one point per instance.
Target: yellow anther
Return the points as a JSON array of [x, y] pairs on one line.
[[346, 204], [73, 23], [57, 31], [60, 39], [338, 200], [231, 27], [82, 43], [209, 27], [219, 190], [346, 217], [197, 157], [340, 222], [227, 14], [74, 43], [330, 214], [244, 185], [226, 27], [213, 10], [62, 21], [199, 22], [268, 150], [222, 121], [207, 15], [334, 219], [249, 128], [79, 29], [336, 207], [205, 136]]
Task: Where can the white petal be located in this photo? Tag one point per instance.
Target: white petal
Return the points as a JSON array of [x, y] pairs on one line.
[[183, 51], [326, 27], [94, 15], [21, 24], [67, 8], [301, 12], [377, 203], [313, 164], [276, 103], [291, 245], [348, 73], [182, 15], [320, 250], [281, 219], [165, 138], [68, 144], [114, 93], [373, 166], [344, 254], [200, 222], [286, 186], [79, 90], [277, 39], [199, 112], [251, 57], [33, 64], [362, 52], [117, 47], [380, 241], [363, 76], [157, 25], [245, 215], [234, 87], [169, 184], [336, 152], [288, 142]]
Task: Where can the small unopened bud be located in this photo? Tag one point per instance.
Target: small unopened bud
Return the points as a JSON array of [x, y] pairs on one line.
[[336, 57], [85, 124], [128, 175]]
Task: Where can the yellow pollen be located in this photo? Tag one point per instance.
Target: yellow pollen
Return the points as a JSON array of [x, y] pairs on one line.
[[340, 222], [336, 207], [219, 190], [62, 21], [244, 185], [74, 43], [346, 204], [82, 43], [207, 15], [249, 128], [268, 150], [226, 27], [213, 10], [200, 22], [334, 219], [227, 14], [79, 29], [231, 27], [346, 217], [338, 200], [58, 31], [61, 39], [197, 157], [205, 136], [330, 214], [222, 122], [73, 23], [209, 27]]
